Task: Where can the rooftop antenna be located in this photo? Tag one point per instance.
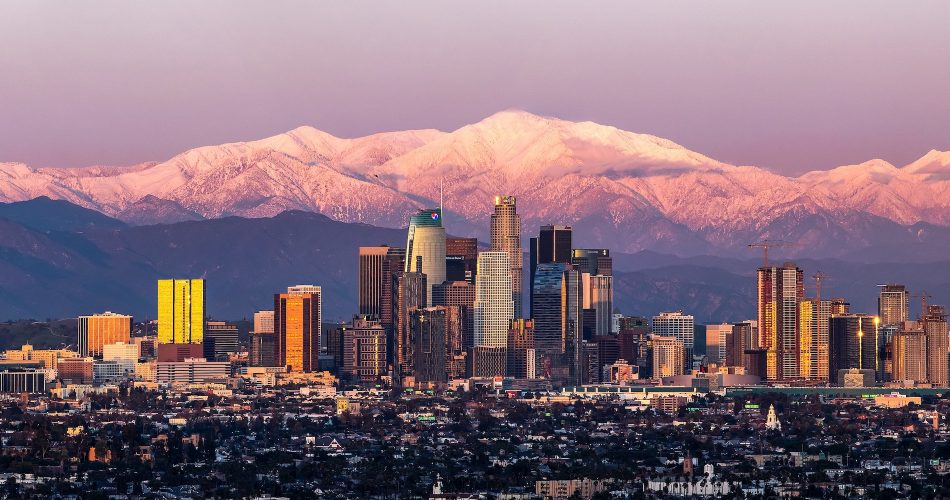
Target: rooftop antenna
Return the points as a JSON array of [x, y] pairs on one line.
[[441, 193]]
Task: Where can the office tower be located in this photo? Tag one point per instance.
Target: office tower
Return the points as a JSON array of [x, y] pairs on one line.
[[608, 350], [392, 266], [459, 295], [461, 256], [494, 307], [221, 339], [592, 261], [429, 330], [364, 351], [557, 316], [632, 337], [100, 329], [553, 245], [935, 327], [181, 311], [666, 356], [589, 372], [909, 348], [852, 343], [813, 337], [742, 337], [371, 277], [410, 290], [780, 289], [22, 380], [263, 351], [521, 357], [425, 248], [264, 322], [506, 237], [599, 298], [297, 327], [716, 342], [893, 304], [679, 326]]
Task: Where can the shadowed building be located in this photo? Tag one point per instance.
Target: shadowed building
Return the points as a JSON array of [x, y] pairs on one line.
[[297, 318]]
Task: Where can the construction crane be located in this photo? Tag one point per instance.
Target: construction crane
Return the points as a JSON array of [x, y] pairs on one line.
[[818, 277], [766, 244]]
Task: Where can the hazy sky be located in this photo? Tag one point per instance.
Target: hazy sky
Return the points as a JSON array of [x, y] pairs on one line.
[[791, 86]]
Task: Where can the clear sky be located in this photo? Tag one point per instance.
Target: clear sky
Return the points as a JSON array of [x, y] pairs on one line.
[[791, 85]]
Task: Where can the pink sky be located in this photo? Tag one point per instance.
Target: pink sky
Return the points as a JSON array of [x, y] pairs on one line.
[[791, 86]]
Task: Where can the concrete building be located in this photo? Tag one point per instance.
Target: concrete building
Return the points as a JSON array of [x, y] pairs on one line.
[[677, 325]]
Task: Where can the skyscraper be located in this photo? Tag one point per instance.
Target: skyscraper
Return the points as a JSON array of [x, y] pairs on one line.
[[410, 290], [494, 307], [553, 245], [364, 351], [263, 349], [181, 311], [461, 296], [716, 342], [425, 248], [599, 298], [297, 327], [592, 261], [557, 312], [666, 356], [909, 350], [221, 339], [780, 289], [521, 358], [429, 329], [370, 281], [935, 327], [460, 259], [99, 330], [813, 338], [506, 237], [893, 304], [679, 326], [853, 343]]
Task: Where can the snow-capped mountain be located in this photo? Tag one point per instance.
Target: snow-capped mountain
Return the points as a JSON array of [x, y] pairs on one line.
[[620, 189]]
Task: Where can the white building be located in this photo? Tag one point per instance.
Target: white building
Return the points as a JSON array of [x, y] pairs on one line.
[[677, 325], [108, 372], [494, 307], [599, 296], [126, 355], [191, 371], [264, 322]]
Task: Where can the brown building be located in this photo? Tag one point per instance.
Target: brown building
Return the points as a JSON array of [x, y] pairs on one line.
[[521, 354], [363, 350], [176, 353], [461, 295], [297, 316], [76, 370], [935, 327], [410, 294], [372, 276], [100, 329], [909, 351]]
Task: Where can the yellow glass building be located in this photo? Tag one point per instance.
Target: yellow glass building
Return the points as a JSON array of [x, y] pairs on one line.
[[297, 317], [181, 311]]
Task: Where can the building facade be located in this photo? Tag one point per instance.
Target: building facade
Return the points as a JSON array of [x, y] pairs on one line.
[[506, 237], [181, 311], [297, 327], [779, 291], [425, 248], [100, 329]]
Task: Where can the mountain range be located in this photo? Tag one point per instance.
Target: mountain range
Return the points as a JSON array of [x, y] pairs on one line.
[[59, 260], [626, 191]]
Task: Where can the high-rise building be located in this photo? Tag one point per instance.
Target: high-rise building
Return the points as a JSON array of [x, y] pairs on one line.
[[934, 324], [461, 256], [558, 316], [297, 327], [744, 336], [506, 237], [494, 307], [853, 343], [666, 356], [429, 329], [521, 357], [264, 322], [909, 351], [679, 326], [392, 266], [425, 248], [716, 342], [459, 295], [553, 245], [181, 311], [546, 308], [893, 304], [780, 289], [599, 298], [263, 348], [221, 340], [593, 261], [364, 351], [410, 290], [813, 337], [100, 329], [371, 277], [634, 331]]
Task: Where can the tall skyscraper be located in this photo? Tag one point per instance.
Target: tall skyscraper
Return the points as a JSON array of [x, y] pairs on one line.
[[297, 327], [909, 351], [599, 298], [494, 307], [716, 342], [938, 345], [425, 248], [853, 343], [181, 311], [557, 311], [429, 329], [461, 255], [99, 330], [679, 326], [371, 278], [813, 338], [506, 237], [461, 296], [893, 304], [780, 289], [592, 261], [410, 290], [553, 245]]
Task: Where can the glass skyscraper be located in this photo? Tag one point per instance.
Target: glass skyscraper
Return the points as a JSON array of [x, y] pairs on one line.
[[181, 311], [425, 248]]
